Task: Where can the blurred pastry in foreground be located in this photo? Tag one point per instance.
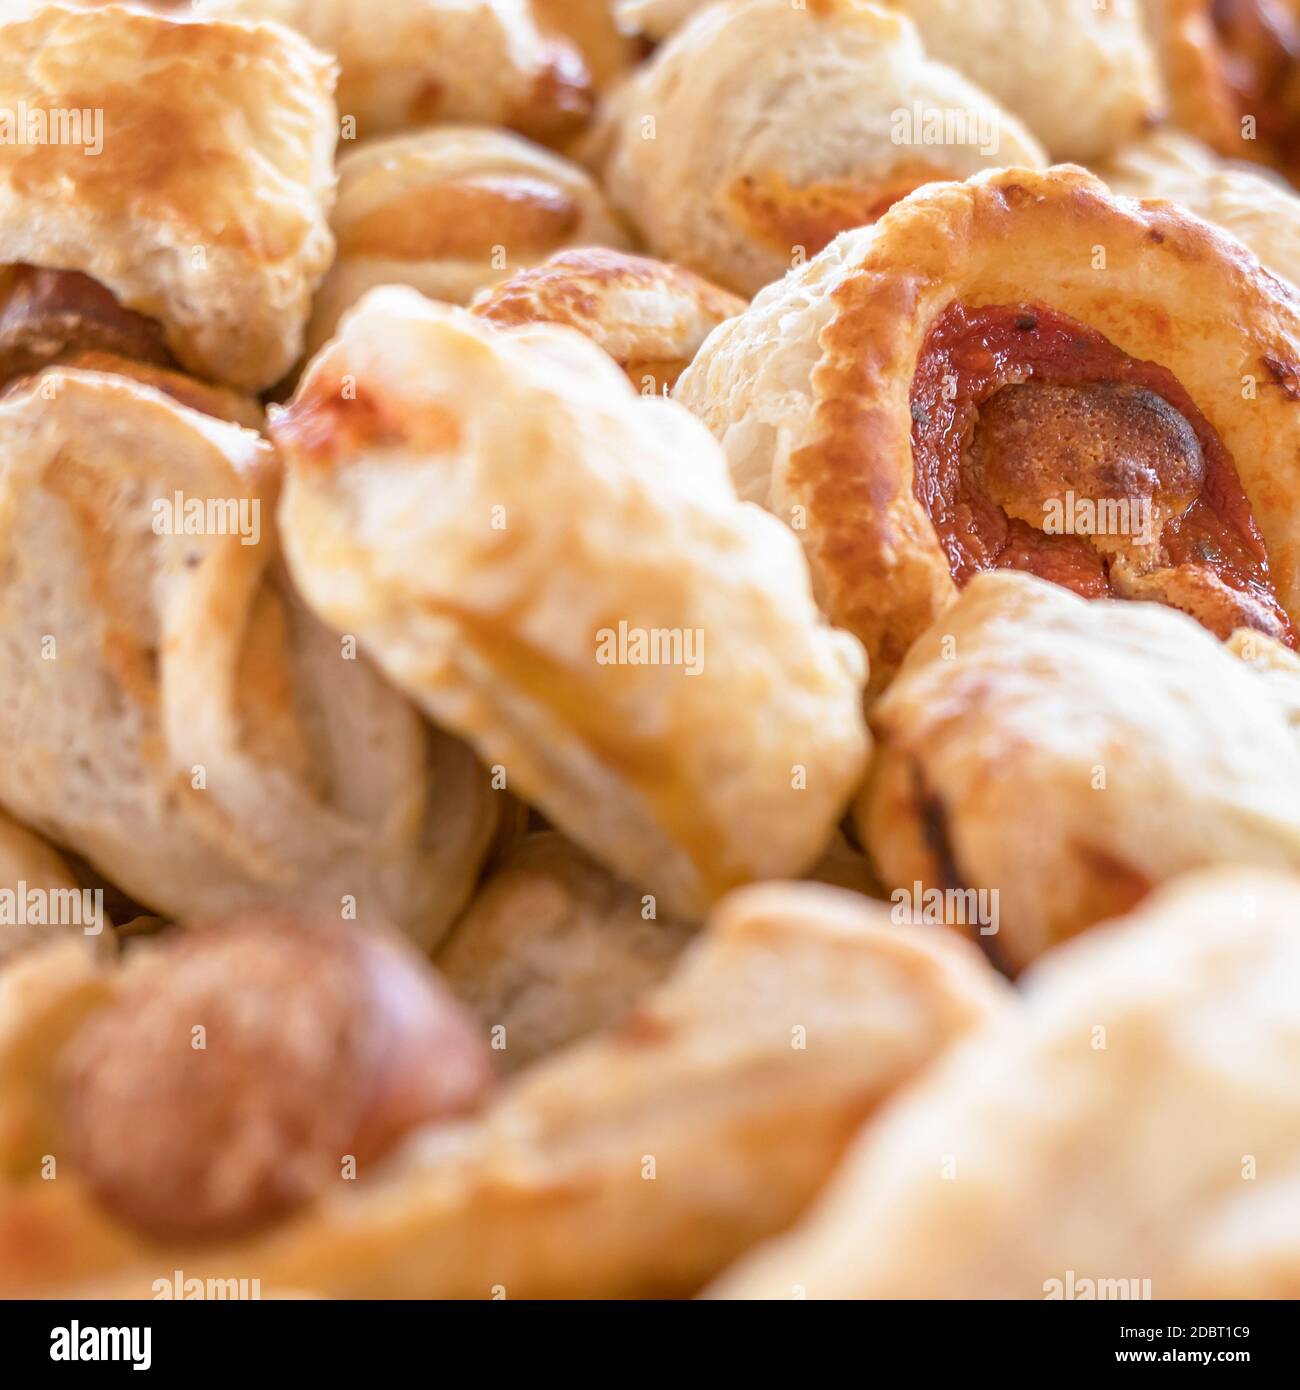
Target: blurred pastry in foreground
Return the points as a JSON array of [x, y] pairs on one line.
[[1232, 68], [1256, 208], [759, 131], [1022, 371], [174, 714], [636, 652], [450, 211], [425, 61], [553, 948], [41, 899], [1054, 760], [638, 1163], [186, 226], [1132, 1131], [649, 316], [1080, 74]]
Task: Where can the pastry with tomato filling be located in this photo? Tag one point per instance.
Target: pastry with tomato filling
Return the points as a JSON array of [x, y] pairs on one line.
[[450, 211], [1022, 371], [558, 569], [1080, 74], [759, 131], [337, 1133], [1063, 758], [651, 317], [174, 715], [186, 227], [1233, 72], [417, 62]]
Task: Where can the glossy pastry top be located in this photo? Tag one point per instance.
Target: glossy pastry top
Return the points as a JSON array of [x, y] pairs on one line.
[[185, 167], [649, 316], [450, 211]]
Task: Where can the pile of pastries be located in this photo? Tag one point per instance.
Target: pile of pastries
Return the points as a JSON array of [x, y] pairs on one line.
[[650, 648]]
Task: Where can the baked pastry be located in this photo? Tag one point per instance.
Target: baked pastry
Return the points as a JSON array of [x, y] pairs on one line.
[[639, 1162], [41, 899], [608, 51], [172, 217], [172, 712], [1232, 68], [553, 949], [449, 211], [649, 316], [1022, 371], [1254, 207], [437, 60], [1059, 759], [1082, 76], [638, 654], [1131, 1131], [759, 131]]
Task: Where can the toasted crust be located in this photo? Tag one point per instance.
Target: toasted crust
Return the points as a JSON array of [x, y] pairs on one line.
[[450, 211], [1082, 77], [649, 316], [438, 60], [802, 112], [175, 715], [1132, 1131], [643, 1160], [836, 451], [1069, 757], [206, 207], [608, 50], [1256, 208], [686, 768]]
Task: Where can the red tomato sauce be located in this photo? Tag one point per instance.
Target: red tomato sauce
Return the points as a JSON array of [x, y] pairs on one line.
[[976, 352]]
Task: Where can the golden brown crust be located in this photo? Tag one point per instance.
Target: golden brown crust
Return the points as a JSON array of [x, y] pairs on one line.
[[651, 317], [1159, 284], [198, 204], [451, 211]]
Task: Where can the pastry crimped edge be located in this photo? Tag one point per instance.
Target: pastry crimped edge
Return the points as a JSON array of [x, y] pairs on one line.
[[1174, 289]]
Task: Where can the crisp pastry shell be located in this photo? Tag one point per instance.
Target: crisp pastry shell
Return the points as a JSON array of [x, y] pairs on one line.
[[206, 207], [1067, 757], [526, 607], [809, 390], [816, 120]]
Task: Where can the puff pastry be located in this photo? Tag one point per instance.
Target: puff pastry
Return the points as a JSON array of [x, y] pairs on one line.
[[1131, 1131], [649, 316], [189, 224], [437, 60], [553, 949], [637, 653], [1062, 758], [41, 899], [817, 120], [1022, 371], [609, 51], [173, 713], [1230, 67], [1255, 208], [450, 211], [1082, 76], [639, 1162]]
